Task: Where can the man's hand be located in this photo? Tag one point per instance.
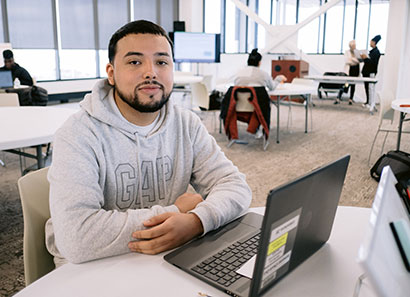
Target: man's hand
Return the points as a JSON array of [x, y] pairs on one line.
[[188, 201], [169, 230]]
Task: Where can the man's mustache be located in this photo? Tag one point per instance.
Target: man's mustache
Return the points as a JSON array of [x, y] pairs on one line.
[[150, 82]]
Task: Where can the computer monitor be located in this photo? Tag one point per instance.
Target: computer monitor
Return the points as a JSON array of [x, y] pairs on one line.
[[6, 79], [196, 47]]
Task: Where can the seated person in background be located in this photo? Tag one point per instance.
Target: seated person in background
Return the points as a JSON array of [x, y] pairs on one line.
[[16, 70], [122, 165], [352, 67], [252, 75]]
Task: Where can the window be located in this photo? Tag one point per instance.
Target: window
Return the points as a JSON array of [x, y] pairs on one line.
[[378, 23], [308, 36], [347, 20], [40, 63], [212, 16], [264, 12], [348, 30], [77, 56], [362, 25], [334, 26], [31, 31]]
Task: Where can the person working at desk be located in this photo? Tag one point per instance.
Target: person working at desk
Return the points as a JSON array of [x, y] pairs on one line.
[[122, 165], [352, 65], [16, 70], [371, 62], [252, 75]]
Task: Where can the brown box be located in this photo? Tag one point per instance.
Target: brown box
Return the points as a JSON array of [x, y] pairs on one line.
[[290, 68]]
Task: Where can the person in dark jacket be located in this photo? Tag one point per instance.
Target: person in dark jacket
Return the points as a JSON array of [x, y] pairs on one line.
[[371, 62], [16, 70]]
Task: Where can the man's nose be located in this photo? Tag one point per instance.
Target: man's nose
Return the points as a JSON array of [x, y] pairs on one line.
[[149, 71]]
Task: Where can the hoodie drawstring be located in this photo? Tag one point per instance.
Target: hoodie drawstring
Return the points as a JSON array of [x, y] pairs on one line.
[[141, 180]]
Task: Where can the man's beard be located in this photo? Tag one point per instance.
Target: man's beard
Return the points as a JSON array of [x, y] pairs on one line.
[[134, 101]]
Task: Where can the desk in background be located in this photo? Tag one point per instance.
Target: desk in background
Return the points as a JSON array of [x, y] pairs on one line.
[[27, 126], [351, 80], [402, 105], [332, 271], [291, 89]]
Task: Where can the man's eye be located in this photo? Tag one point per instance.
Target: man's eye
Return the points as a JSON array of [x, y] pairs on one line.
[[135, 62], [162, 63]]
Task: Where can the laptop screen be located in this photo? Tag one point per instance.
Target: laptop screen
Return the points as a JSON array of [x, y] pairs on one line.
[[6, 80]]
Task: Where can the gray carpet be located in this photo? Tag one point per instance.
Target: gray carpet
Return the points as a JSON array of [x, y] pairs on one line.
[[337, 130]]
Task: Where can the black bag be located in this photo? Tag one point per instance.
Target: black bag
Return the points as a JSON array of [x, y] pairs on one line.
[[39, 96], [399, 163], [31, 96], [215, 100]]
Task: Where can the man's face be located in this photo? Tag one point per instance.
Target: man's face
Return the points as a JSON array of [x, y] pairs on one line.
[[372, 44], [9, 63], [142, 71]]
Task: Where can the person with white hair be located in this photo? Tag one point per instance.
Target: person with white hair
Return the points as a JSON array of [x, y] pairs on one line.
[[352, 67]]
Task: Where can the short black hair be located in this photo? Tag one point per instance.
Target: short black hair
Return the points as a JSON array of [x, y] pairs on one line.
[[254, 58], [136, 27], [7, 54]]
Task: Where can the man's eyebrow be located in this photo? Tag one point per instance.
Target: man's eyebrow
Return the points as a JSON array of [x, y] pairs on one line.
[[141, 54]]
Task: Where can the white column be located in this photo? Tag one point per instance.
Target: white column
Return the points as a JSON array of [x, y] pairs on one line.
[[396, 72]]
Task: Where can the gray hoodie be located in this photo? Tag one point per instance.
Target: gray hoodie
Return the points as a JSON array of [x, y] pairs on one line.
[[106, 179]]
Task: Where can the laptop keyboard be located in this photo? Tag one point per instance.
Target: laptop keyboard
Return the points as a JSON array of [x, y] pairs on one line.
[[222, 266]]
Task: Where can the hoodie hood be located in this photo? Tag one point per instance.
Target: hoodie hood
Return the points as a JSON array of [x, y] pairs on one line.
[[100, 105]]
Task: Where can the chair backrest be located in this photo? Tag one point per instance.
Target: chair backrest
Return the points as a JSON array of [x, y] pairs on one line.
[[208, 82], [386, 111], [9, 99], [34, 195], [243, 104], [200, 96]]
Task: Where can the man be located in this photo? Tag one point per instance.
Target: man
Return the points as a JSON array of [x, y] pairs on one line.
[[16, 70], [122, 165], [371, 62]]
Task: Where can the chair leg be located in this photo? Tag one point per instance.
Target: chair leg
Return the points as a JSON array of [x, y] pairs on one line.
[[371, 148], [2, 163], [384, 141]]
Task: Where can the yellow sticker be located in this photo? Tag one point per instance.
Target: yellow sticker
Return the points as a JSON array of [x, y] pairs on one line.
[[277, 243]]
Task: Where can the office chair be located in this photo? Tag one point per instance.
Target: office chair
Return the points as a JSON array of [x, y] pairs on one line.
[[252, 106], [386, 113], [201, 99], [34, 194]]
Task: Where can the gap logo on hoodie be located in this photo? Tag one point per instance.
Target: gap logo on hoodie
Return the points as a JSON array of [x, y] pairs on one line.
[[153, 176]]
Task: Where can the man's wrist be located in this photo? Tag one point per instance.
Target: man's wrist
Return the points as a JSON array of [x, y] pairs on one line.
[[199, 228]]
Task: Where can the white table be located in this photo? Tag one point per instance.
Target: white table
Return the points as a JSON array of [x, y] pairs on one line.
[[351, 80], [285, 90], [402, 105], [332, 271], [27, 126]]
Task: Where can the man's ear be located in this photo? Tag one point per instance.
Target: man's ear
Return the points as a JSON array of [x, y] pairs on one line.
[[110, 73]]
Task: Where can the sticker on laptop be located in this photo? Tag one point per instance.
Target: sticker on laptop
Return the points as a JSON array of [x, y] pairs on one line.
[[281, 242]]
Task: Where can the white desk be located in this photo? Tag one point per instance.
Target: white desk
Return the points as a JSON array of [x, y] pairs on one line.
[[331, 272], [402, 105], [187, 79], [27, 126], [352, 80], [291, 89]]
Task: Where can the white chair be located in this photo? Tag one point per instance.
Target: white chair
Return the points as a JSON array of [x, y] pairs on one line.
[[386, 114], [34, 195], [200, 98], [8, 99]]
